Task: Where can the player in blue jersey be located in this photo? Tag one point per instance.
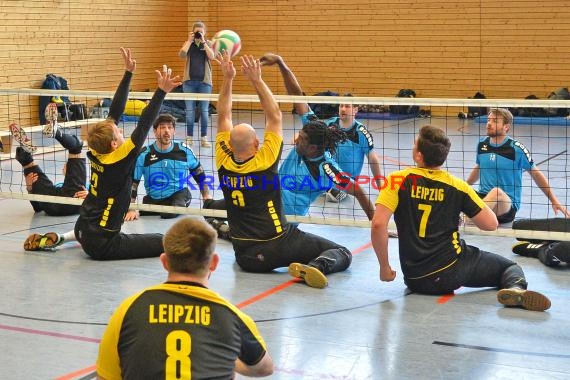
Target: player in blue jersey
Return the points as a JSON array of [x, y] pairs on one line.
[[501, 161], [350, 152], [166, 166], [181, 329], [426, 202], [310, 169]]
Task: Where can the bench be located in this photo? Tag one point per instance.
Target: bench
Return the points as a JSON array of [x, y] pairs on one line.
[[6, 136]]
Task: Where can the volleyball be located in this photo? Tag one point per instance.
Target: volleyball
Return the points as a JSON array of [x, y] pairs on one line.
[[226, 40]]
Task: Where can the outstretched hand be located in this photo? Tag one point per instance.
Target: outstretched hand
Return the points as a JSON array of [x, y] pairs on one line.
[[269, 59], [226, 64], [251, 68], [130, 62], [166, 82]]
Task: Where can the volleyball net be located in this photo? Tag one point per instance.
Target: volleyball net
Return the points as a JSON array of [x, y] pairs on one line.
[[540, 125]]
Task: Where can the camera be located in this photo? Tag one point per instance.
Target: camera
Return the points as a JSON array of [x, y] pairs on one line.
[[197, 35]]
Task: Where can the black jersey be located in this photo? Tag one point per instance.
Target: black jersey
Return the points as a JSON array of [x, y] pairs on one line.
[[109, 194], [252, 189], [177, 331], [426, 205]]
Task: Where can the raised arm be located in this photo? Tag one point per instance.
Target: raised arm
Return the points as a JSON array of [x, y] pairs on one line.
[[251, 68], [225, 95], [166, 83], [291, 83], [122, 93]]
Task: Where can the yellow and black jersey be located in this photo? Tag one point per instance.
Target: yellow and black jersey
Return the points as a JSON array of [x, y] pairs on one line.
[[252, 189], [109, 195], [426, 205], [177, 330]]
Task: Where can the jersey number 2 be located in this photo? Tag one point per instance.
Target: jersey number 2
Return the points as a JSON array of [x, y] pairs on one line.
[[178, 347], [94, 183], [426, 210]]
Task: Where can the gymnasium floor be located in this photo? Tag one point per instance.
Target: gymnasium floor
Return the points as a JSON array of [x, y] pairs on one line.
[[54, 306]]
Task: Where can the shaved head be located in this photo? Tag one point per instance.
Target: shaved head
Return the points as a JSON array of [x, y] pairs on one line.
[[243, 139]]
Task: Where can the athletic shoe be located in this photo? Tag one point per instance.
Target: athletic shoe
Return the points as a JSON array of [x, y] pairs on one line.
[[526, 299], [23, 157], [335, 195], [45, 242], [20, 136], [547, 257], [205, 143], [311, 275], [189, 141], [222, 228], [524, 248], [51, 115]]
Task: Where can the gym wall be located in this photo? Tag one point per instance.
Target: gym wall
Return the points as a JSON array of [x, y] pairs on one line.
[[505, 49]]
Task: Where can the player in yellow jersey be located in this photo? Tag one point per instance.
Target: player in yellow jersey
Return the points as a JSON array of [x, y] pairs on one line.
[[181, 329], [426, 202], [261, 237]]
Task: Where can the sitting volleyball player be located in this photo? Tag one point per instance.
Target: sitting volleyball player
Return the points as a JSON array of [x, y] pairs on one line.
[[146, 340], [310, 169], [351, 151], [261, 237], [98, 228], [165, 166], [426, 202], [37, 181]]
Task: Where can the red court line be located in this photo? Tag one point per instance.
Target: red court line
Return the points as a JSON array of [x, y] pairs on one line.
[[241, 305], [49, 333], [80, 372], [445, 298]]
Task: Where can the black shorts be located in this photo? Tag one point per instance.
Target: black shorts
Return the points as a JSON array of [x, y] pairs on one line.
[[75, 179], [507, 217], [181, 198]]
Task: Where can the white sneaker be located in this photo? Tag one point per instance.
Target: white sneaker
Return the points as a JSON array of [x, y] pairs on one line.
[[20, 136], [50, 130], [205, 143], [51, 115], [189, 141]]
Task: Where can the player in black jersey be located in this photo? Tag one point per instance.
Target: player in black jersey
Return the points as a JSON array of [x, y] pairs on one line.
[[112, 159], [426, 202], [37, 182], [261, 237], [181, 329]]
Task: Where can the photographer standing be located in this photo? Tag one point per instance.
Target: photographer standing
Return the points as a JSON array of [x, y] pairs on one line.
[[197, 79]]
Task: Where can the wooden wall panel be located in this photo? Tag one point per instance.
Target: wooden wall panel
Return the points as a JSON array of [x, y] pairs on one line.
[[508, 48]]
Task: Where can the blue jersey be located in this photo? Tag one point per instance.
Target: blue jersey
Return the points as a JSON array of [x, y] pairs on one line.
[[303, 180], [349, 154], [165, 171], [502, 166]]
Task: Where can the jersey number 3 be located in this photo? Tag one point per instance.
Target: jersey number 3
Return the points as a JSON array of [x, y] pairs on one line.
[[178, 347]]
